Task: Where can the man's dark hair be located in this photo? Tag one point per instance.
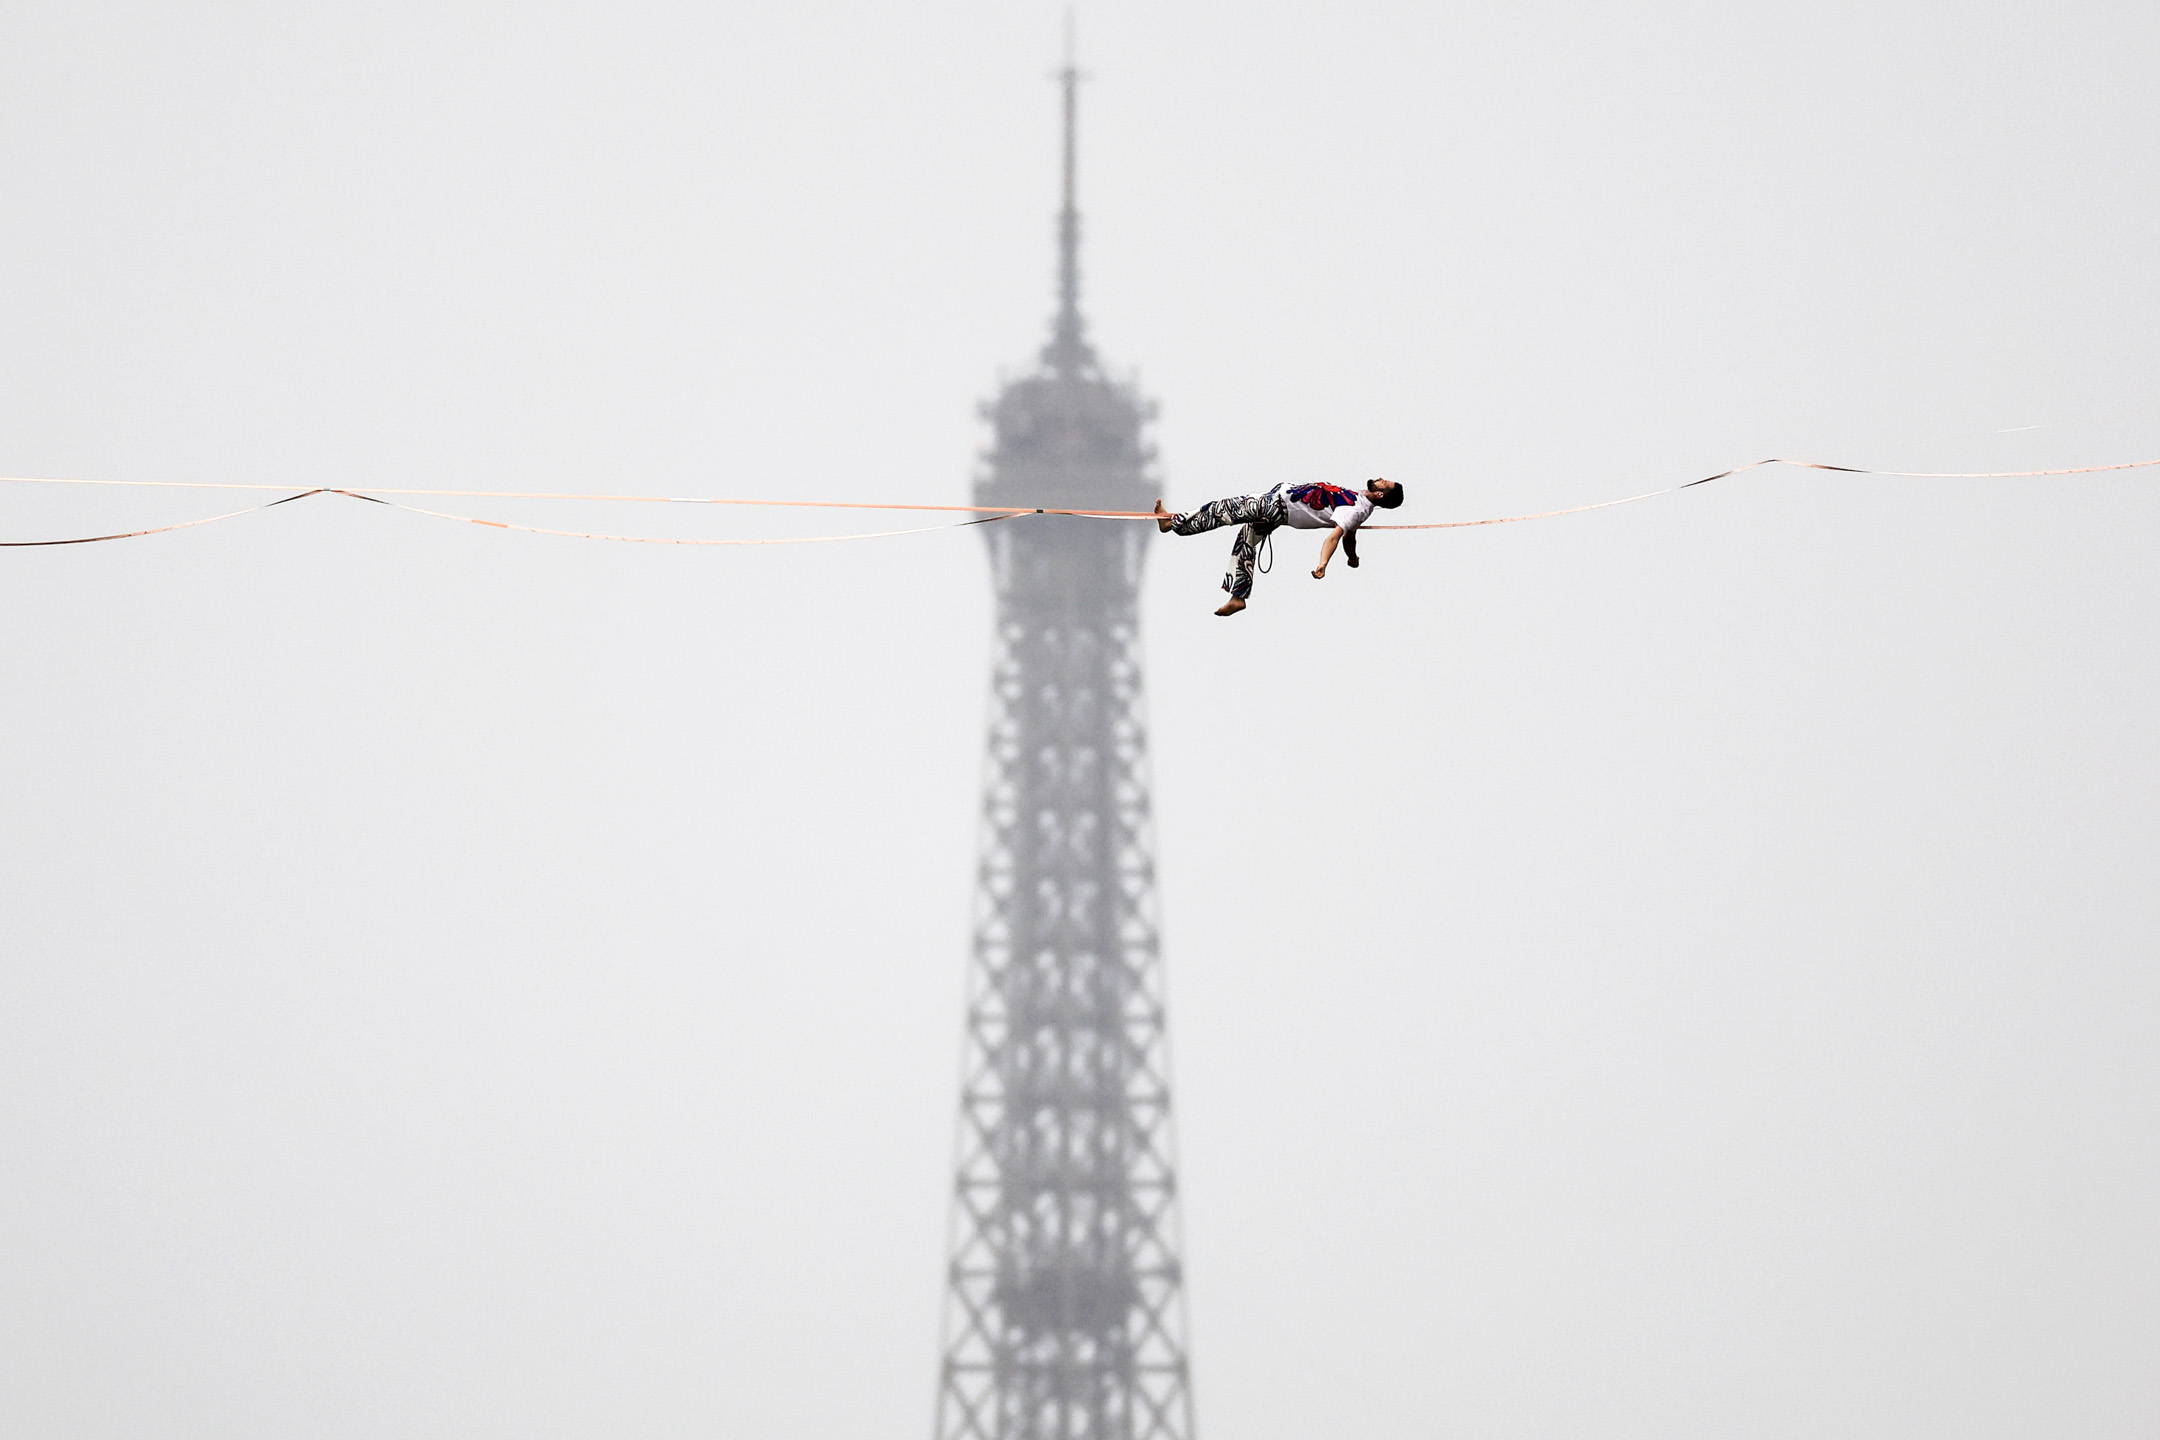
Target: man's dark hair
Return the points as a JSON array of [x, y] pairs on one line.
[[1392, 498]]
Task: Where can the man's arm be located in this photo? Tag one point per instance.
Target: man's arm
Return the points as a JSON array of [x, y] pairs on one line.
[[1349, 547], [1327, 550]]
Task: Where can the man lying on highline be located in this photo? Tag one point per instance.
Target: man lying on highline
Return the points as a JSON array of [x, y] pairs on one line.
[[1312, 506]]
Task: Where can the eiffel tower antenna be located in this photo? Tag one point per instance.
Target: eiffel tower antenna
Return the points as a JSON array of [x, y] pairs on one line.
[[1068, 351]]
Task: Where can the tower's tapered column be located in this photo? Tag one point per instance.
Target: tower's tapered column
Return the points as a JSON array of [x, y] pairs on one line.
[[1065, 1302]]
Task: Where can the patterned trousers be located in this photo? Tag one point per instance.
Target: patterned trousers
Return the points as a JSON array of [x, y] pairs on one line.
[[1259, 514]]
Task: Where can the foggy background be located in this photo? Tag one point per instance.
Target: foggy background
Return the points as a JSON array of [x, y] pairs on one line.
[[1681, 971]]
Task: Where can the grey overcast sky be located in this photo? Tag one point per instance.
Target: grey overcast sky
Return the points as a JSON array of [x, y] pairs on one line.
[[1676, 973]]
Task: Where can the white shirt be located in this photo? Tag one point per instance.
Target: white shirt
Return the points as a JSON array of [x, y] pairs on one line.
[[1348, 517]]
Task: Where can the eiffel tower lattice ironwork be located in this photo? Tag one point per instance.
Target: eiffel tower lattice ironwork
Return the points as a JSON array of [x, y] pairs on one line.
[[1065, 1294]]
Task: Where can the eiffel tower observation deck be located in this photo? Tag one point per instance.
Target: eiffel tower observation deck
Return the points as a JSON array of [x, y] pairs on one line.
[[1065, 1313]]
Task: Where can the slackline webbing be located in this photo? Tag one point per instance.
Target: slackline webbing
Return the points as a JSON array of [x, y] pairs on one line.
[[159, 530], [670, 540], [1759, 464], [983, 514]]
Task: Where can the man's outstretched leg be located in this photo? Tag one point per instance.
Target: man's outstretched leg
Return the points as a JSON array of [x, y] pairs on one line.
[[1230, 510]]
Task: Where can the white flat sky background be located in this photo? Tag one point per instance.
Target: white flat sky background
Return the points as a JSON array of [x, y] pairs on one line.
[[1685, 971]]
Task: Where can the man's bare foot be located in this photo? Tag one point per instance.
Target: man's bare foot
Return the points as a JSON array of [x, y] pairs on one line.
[[1163, 518], [1320, 574], [1231, 607]]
